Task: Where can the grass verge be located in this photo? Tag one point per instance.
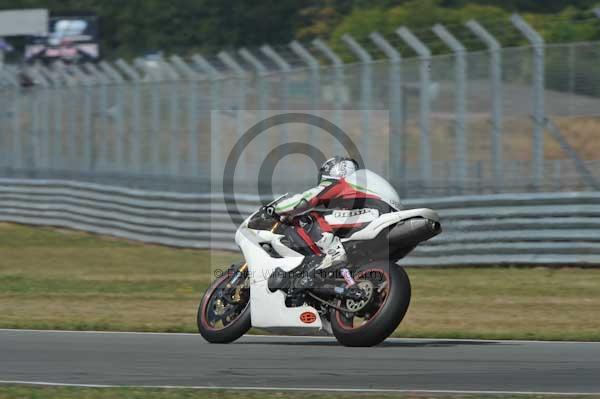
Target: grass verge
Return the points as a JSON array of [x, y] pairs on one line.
[[38, 392], [55, 279]]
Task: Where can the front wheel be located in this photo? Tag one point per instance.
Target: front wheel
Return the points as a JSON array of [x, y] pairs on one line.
[[374, 319], [224, 311]]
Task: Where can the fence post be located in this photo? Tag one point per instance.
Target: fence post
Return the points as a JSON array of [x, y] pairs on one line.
[[366, 85], [153, 79], [261, 86], [539, 114], [15, 159], [86, 124], [70, 131], [45, 115], [315, 81], [102, 141], [31, 145], [424, 101], [135, 144], [5, 159], [45, 83], [261, 72], [396, 146], [119, 82], [174, 158], [571, 68], [497, 107], [55, 150], [285, 69], [192, 114], [216, 96], [460, 70], [338, 66], [241, 76], [26, 146]]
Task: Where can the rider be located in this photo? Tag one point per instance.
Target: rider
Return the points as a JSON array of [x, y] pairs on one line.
[[339, 191]]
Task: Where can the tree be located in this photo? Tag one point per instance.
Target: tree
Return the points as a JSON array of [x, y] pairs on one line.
[[130, 28]]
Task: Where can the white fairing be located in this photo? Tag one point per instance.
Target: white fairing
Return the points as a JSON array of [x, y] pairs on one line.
[[267, 309], [377, 185], [375, 227]]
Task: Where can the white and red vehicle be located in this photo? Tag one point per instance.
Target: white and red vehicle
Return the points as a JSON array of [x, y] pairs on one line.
[[361, 302]]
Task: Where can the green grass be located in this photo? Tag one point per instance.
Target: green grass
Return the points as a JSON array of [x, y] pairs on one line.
[[59, 279], [68, 280], [38, 392]]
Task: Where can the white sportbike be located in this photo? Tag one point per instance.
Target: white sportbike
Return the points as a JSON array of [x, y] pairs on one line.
[[360, 302]]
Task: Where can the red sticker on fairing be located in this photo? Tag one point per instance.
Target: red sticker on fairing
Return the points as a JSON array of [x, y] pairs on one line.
[[308, 317]]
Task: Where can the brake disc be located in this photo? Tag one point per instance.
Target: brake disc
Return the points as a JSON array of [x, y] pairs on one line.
[[368, 289], [219, 307]]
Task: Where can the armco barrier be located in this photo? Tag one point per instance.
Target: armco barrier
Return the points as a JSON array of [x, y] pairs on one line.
[[537, 229]]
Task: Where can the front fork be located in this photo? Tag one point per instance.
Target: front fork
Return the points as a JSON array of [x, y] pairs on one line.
[[237, 276]]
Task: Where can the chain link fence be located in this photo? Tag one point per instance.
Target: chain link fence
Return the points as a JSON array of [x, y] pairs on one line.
[[521, 119]]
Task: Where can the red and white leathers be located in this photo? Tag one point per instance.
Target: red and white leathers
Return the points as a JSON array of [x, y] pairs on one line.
[[351, 206]]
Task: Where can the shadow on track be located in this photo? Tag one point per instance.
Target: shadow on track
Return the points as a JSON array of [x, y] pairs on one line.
[[384, 344]]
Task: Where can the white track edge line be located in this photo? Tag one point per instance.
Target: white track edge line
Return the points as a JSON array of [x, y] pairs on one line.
[[294, 336], [300, 389]]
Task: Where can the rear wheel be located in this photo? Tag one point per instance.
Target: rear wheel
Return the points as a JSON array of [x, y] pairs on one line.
[[224, 311], [373, 319]]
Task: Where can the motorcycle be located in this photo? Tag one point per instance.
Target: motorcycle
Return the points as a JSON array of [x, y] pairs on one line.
[[360, 302]]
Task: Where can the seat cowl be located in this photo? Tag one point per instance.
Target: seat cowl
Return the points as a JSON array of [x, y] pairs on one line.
[[419, 212]]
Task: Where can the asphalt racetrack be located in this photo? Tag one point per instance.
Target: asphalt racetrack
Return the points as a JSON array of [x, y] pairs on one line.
[[186, 360]]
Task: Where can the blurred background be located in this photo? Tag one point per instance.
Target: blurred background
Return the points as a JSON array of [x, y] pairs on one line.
[[117, 117]]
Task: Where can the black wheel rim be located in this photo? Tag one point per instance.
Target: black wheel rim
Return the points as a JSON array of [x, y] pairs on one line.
[[225, 304], [381, 282]]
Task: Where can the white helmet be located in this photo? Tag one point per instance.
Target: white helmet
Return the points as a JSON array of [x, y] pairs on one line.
[[337, 167]]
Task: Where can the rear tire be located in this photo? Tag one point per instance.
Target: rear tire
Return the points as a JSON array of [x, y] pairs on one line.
[[231, 331], [385, 318]]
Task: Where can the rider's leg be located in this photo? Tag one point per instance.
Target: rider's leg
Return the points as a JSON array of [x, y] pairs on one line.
[[313, 269], [322, 248], [332, 247], [329, 244]]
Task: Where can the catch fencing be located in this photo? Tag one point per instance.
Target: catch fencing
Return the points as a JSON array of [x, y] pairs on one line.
[[495, 120], [502, 141], [544, 228]]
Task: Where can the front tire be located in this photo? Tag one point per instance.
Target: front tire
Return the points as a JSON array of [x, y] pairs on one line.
[[386, 308], [223, 314]]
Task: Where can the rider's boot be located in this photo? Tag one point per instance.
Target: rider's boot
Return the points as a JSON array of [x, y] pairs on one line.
[[335, 253], [313, 268]]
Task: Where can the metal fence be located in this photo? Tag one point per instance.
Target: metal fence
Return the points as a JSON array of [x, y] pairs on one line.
[[544, 228], [522, 119]]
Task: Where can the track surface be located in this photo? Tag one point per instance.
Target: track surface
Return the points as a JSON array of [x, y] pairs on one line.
[[297, 362]]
